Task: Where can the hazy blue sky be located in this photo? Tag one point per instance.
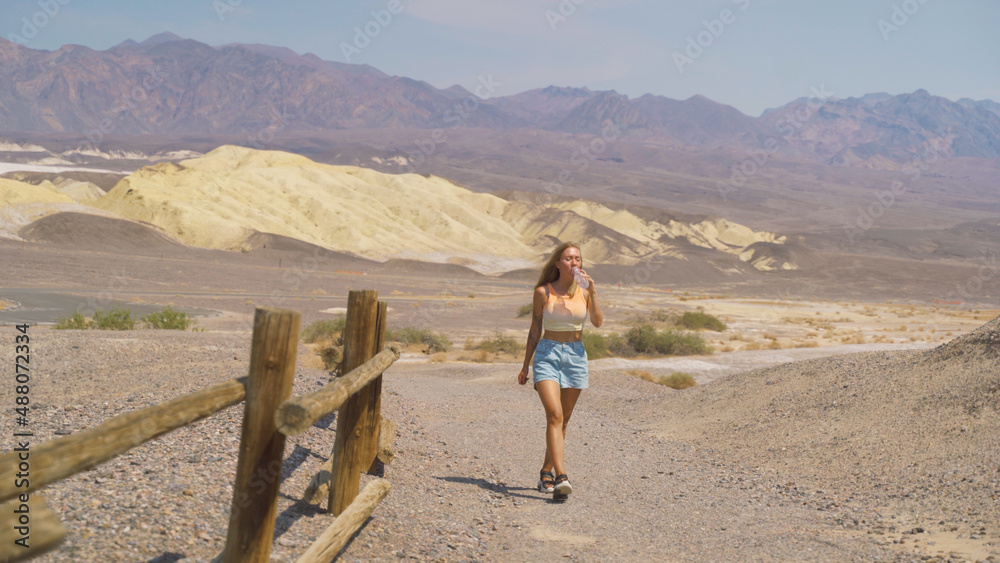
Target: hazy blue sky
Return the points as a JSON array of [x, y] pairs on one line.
[[765, 54]]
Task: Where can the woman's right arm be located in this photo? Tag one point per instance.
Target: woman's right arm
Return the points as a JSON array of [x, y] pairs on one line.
[[534, 333]]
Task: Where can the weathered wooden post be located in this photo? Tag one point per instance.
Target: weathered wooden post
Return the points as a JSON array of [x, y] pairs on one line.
[[258, 471], [357, 421], [373, 422]]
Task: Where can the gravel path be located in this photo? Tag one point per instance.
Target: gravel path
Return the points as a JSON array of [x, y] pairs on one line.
[[658, 474]]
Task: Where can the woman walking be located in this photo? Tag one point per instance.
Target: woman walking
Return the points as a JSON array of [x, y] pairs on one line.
[[559, 307]]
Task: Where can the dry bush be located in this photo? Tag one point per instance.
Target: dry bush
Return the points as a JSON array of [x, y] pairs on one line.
[[752, 345], [726, 348], [438, 358], [857, 338], [678, 380], [770, 336], [807, 344], [774, 345], [700, 320], [737, 336], [324, 331], [811, 334], [312, 361], [641, 374], [500, 343]]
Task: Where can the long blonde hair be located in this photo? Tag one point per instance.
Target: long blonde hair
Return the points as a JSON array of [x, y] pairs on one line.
[[549, 271]]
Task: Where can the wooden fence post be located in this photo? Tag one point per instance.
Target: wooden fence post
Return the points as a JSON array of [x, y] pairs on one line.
[[373, 422], [258, 471], [364, 334]]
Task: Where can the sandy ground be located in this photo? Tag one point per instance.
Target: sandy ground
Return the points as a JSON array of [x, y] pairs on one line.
[[663, 474], [753, 466]]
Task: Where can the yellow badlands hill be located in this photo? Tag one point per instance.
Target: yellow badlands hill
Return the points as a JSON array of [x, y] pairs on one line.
[[14, 193], [224, 197]]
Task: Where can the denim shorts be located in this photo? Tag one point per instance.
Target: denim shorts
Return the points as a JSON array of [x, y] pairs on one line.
[[562, 362]]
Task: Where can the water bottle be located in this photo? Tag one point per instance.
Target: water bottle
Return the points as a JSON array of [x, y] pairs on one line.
[[579, 279]]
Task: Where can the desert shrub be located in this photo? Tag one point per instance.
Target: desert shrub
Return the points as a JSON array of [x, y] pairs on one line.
[[410, 335], [661, 316], [595, 345], [76, 321], [332, 357], [324, 330], [699, 320], [642, 374], [678, 380], [119, 318], [481, 356], [500, 343], [168, 318], [438, 357], [618, 346], [645, 339], [525, 310]]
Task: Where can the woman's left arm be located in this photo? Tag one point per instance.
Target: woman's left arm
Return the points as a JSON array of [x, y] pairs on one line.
[[596, 315]]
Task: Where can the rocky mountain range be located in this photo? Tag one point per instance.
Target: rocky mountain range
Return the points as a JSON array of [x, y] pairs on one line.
[[170, 85]]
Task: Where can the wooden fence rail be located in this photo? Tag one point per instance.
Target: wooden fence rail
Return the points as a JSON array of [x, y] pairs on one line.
[[295, 416], [269, 416], [64, 457]]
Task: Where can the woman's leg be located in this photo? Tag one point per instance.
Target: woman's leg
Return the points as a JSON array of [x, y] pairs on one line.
[[568, 400], [550, 395]]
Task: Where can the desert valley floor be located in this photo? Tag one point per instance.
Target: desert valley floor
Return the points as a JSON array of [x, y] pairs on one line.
[[879, 441]]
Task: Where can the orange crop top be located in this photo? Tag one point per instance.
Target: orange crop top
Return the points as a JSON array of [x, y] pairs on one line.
[[563, 313]]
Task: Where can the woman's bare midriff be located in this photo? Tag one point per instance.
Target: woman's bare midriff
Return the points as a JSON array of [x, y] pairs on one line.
[[563, 336]]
